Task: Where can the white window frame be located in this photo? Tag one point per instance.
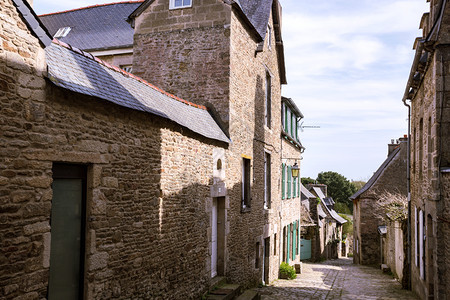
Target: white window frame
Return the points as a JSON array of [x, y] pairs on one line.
[[269, 37], [172, 4]]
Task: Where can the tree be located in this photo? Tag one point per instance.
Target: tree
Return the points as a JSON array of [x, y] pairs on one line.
[[338, 187], [308, 180]]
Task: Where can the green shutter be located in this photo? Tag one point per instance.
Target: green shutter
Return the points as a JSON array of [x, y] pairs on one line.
[[289, 184], [294, 241], [286, 120], [288, 244], [283, 181], [294, 187]]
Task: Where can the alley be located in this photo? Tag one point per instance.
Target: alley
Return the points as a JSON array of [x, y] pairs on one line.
[[337, 279]]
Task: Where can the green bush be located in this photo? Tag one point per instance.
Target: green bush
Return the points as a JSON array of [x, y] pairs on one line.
[[287, 272]]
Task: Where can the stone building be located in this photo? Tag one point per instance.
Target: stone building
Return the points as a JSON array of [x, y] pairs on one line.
[[290, 205], [166, 194], [427, 91], [389, 179], [329, 232]]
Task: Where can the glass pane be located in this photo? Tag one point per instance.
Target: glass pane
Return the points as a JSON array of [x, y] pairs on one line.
[[65, 239], [186, 2], [178, 3]]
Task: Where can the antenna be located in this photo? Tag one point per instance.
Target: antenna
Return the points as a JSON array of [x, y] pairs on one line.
[[307, 126]]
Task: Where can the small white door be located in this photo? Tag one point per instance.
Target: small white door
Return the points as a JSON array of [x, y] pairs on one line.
[[214, 238]]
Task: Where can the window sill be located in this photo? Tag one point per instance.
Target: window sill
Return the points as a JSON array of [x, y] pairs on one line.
[[245, 209]]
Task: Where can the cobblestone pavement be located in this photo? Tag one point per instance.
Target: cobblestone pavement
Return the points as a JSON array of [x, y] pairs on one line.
[[337, 279]]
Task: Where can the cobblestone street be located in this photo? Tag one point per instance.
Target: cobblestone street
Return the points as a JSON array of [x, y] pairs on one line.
[[337, 279]]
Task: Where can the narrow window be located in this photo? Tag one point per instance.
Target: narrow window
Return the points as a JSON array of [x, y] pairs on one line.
[[421, 237], [268, 114], [274, 244], [267, 180], [289, 183], [416, 236], [180, 4], [421, 149], [257, 255], [287, 117], [246, 183], [293, 125], [283, 181], [284, 243], [269, 37]]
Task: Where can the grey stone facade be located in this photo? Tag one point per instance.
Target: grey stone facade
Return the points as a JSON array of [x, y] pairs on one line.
[[428, 90], [367, 212]]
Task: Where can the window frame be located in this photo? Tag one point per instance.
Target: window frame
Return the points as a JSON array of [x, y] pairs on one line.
[[173, 6], [268, 101], [246, 183], [267, 180]]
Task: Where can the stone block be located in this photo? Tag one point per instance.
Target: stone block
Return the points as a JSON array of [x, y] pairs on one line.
[[39, 227]]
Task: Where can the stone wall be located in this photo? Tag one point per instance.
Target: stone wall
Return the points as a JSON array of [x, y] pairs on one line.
[[207, 54], [429, 153], [148, 203], [188, 58]]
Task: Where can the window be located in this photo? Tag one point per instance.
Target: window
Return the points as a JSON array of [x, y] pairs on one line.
[[268, 112], [257, 256], [283, 181], [127, 68], [62, 32], [180, 4], [269, 37], [267, 181], [246, 183], [274, 244]]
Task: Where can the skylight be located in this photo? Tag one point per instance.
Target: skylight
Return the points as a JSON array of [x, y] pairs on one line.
[[62, 32]]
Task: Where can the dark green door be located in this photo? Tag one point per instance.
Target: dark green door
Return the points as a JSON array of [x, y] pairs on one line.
[[67, 232]]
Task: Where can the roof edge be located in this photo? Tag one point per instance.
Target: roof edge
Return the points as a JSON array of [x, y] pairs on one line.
[[90, 6], [33, 23], [377, 174]]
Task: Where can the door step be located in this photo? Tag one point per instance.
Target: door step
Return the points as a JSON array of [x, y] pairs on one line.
[[224, 292], [249, 295]]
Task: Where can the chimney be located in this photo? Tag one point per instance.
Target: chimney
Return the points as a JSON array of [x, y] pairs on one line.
[[392, 146]]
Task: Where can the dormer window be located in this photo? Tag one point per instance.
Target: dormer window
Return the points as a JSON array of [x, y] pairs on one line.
[[174, 4], [62, 32]]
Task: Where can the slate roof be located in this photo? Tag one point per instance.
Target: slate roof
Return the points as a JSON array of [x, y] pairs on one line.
[[319, 193], [80, 72], [305, 194], [377, 174], [335, 215], [258, 13], [33, 23], [97, 27]]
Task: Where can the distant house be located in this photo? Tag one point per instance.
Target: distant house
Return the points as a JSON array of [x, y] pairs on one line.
[[310, 239], [368, 215], [328, 243]]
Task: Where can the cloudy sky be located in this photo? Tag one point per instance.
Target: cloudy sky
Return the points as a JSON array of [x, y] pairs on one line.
[[347, 65]]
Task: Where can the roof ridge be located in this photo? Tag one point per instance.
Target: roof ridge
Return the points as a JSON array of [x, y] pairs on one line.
[[91, 6], [119, 70]]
